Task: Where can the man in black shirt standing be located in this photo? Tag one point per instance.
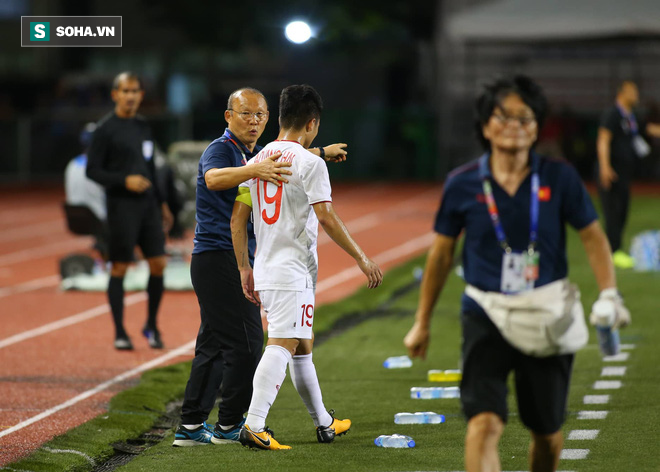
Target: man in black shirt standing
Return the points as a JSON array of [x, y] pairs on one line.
[[619, 144], [121, 159]]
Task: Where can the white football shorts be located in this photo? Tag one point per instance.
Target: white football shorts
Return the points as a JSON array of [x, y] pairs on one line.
[[290, 314]]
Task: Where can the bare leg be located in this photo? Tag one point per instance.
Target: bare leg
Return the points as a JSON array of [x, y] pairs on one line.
[[544, 451], [483, 435]]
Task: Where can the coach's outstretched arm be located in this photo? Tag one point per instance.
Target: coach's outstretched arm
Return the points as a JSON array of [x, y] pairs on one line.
[[239, 239], [230, 177], [335, 228], [438, 265]]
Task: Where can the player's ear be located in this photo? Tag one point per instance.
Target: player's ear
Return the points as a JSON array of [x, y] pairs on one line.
[[310, 125]]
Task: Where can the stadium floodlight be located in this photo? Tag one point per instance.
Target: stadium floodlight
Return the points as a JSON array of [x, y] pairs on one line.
[[298, 32]]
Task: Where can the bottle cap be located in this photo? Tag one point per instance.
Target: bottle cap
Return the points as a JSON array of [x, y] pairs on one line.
[[605, 312]]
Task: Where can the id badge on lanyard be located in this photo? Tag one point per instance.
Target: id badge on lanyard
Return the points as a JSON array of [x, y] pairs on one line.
[[520, 270]]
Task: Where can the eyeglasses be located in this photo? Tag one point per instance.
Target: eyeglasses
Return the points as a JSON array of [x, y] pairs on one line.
[[506, 119], [246, 115]]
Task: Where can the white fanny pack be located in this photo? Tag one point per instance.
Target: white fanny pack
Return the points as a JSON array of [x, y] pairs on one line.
[[543, 322]]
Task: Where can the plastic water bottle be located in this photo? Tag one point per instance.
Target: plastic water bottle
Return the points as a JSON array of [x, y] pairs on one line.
[[426, 393], [608, 338], [399, 362], [453, 375], [394, 440], [419, 417]]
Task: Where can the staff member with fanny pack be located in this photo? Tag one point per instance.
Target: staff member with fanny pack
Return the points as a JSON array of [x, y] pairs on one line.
[[513, 206]]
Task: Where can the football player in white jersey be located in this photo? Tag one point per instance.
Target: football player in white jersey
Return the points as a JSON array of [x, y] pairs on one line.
[[286, 220]]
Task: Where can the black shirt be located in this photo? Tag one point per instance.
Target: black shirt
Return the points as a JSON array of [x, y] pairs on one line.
[[122, 147], [622, 152]]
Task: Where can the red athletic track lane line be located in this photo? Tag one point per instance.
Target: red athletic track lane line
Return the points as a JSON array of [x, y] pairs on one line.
[[53, 368]]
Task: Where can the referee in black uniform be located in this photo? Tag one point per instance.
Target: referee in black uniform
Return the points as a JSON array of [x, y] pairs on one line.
[[121, 159]]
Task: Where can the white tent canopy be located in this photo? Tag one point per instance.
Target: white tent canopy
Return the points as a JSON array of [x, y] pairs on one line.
[[555, 20]]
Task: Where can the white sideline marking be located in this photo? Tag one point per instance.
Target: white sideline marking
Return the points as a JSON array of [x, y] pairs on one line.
[[607, 384], [613, 371], [583, 434], [42, 251], [71, 320], [592, 415], [71, 451], [35, 284], [621, 357], [574, 454], [628, 347], [382, 258], [596, 399], [99, 388]]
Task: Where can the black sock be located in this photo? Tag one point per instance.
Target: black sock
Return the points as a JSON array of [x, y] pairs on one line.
[[116, 299], [155, 292]]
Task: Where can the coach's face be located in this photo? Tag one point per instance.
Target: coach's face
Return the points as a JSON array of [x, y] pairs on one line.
[[127, 97], [247, 117], [512, 126]]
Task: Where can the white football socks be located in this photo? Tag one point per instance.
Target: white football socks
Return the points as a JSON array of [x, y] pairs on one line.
[[303, 375], [268, 378]]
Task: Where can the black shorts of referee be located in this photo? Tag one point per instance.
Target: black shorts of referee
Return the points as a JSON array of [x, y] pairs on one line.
[[541, 383], [135, 221]]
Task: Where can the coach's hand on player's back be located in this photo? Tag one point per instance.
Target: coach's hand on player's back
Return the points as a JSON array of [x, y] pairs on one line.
[[272, 171], [372, 271], [137, 183]]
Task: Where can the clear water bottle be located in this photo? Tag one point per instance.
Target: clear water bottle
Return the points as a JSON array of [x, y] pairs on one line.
[[453, 375], [399, 362], [394, 440], [604, 313], [427, 393], [419, 417]]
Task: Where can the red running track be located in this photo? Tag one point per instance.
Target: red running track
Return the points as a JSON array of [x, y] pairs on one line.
[[57, 363]]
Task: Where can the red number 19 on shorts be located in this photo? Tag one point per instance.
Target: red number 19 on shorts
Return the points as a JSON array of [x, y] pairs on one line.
[[307, 315]]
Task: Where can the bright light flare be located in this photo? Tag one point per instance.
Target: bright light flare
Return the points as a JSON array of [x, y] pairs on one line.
[[298, 32]]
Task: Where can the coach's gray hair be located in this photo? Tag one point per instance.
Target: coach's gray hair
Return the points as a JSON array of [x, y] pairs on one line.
[[126, 75], [235, 93]]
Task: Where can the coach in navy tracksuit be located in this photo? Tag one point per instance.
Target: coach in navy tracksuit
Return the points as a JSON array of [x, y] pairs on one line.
[[512, 207]]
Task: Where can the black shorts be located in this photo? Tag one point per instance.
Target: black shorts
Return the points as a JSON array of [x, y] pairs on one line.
[[134, 221], [541, 382]]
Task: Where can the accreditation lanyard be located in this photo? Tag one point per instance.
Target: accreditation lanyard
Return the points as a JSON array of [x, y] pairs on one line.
[[240, 149], [533, 214], [630, 118]]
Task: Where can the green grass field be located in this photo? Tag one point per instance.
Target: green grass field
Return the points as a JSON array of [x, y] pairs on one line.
[[356, 385]]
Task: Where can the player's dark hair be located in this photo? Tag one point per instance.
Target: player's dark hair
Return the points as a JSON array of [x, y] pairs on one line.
[[234, 94], [529, 91], [298, 105], [126, 75]]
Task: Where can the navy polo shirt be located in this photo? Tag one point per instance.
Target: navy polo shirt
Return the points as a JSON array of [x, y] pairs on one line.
[[562, 199], [214, 207]]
